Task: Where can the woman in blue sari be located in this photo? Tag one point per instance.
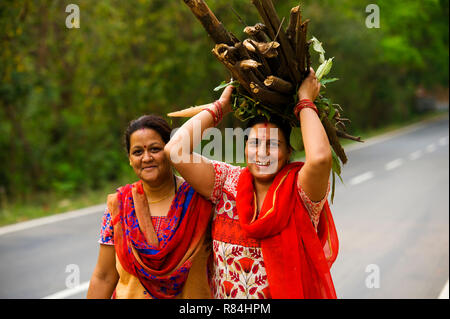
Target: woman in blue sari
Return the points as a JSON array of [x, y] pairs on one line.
[[153, 241]]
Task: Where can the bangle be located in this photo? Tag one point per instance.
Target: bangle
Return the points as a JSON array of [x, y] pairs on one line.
[[219, 109], [215, 111], [212, 114], [304, 103]]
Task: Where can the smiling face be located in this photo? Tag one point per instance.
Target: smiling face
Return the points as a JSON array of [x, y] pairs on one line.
[[147, 156], [266, 151]]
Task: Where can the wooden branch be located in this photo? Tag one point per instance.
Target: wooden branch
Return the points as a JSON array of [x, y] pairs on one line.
[[230, 52], [240, 54], [249, 64], [301, 46], [334, 140], [285, 47], [253, 76], [290, 30], [270, 98], [283, 68], [298, 36], [342, 119], [270, 67], [279, 85], [221, 53], [343, 134], [266, 49], [308, 57], [242, 51], [212, 25], [258, 32], [235, 72], [252, 46], [269, 28], [189, 112]]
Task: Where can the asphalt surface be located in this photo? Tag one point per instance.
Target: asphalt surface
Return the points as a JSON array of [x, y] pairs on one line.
[[392, 217], [397, 222]]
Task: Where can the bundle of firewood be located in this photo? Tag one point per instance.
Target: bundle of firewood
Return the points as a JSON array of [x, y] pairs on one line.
[[268, 67]]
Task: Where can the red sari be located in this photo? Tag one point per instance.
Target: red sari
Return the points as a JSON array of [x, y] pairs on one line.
[[297, 258]]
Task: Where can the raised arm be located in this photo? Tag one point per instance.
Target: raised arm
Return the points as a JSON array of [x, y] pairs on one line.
[[197, 170], [314, 175]]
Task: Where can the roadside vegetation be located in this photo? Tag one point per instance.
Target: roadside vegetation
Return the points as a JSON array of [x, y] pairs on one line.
[[66, 95]]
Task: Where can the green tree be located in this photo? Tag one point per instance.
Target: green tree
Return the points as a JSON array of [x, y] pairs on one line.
[[66, 95]]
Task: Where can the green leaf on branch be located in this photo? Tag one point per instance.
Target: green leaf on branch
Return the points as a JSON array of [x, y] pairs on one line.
[[225, 84], [336, 170], [325, 81], [295, 139], [324, 69], [336, 165], [317, 46], [332, 113]]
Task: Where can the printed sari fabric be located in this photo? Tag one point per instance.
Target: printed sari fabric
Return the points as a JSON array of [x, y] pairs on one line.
[[240, 268], [297, 259], [162, 266]]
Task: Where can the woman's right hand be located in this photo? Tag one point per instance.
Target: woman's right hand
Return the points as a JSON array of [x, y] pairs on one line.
[[196, 169], [310, 87]]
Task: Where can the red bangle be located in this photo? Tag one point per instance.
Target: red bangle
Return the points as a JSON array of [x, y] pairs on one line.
[[218, 106], [215, 111], [305, 103], [212, 114]]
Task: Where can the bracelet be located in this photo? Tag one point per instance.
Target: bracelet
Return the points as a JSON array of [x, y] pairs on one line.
[[219, 109], [212, 114], [305, 103], [215, 111]]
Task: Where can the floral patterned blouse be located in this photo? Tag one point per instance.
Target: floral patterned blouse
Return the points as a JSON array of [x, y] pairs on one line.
[[238, 269]]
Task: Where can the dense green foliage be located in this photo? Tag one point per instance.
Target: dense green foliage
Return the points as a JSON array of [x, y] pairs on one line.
[[66, 95]]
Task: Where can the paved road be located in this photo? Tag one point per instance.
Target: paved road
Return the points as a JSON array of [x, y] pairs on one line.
[[391, 215]]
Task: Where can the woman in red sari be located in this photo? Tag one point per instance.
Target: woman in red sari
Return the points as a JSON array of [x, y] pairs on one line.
[[153, 241], [272, 229]]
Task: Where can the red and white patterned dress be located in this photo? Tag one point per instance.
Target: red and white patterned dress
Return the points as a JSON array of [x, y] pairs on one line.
[[238, 269]]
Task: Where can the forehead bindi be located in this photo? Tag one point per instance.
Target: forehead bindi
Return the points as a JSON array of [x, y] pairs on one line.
[[265, 131], [145, 138]]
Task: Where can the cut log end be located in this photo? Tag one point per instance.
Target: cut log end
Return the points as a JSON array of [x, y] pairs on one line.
[[249, 64], [189, 112], [279, 85]]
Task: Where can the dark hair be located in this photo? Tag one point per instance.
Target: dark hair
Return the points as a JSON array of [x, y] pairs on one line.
[[154, 122], [279, 122]]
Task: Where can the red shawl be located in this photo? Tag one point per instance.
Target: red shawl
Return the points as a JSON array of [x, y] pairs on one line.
[[297, 259], [162, 268]]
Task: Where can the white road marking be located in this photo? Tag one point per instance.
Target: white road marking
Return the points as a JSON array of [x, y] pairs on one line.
[[443, 141], [69, 291], [415, 155], [93, 209], [384, 137], [51, 219], [444, 292], [394, 164], [361, 178], [430, 148]]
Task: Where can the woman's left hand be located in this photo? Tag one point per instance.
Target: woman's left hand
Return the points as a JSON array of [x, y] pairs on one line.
[[225, 99], [310, 87]]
